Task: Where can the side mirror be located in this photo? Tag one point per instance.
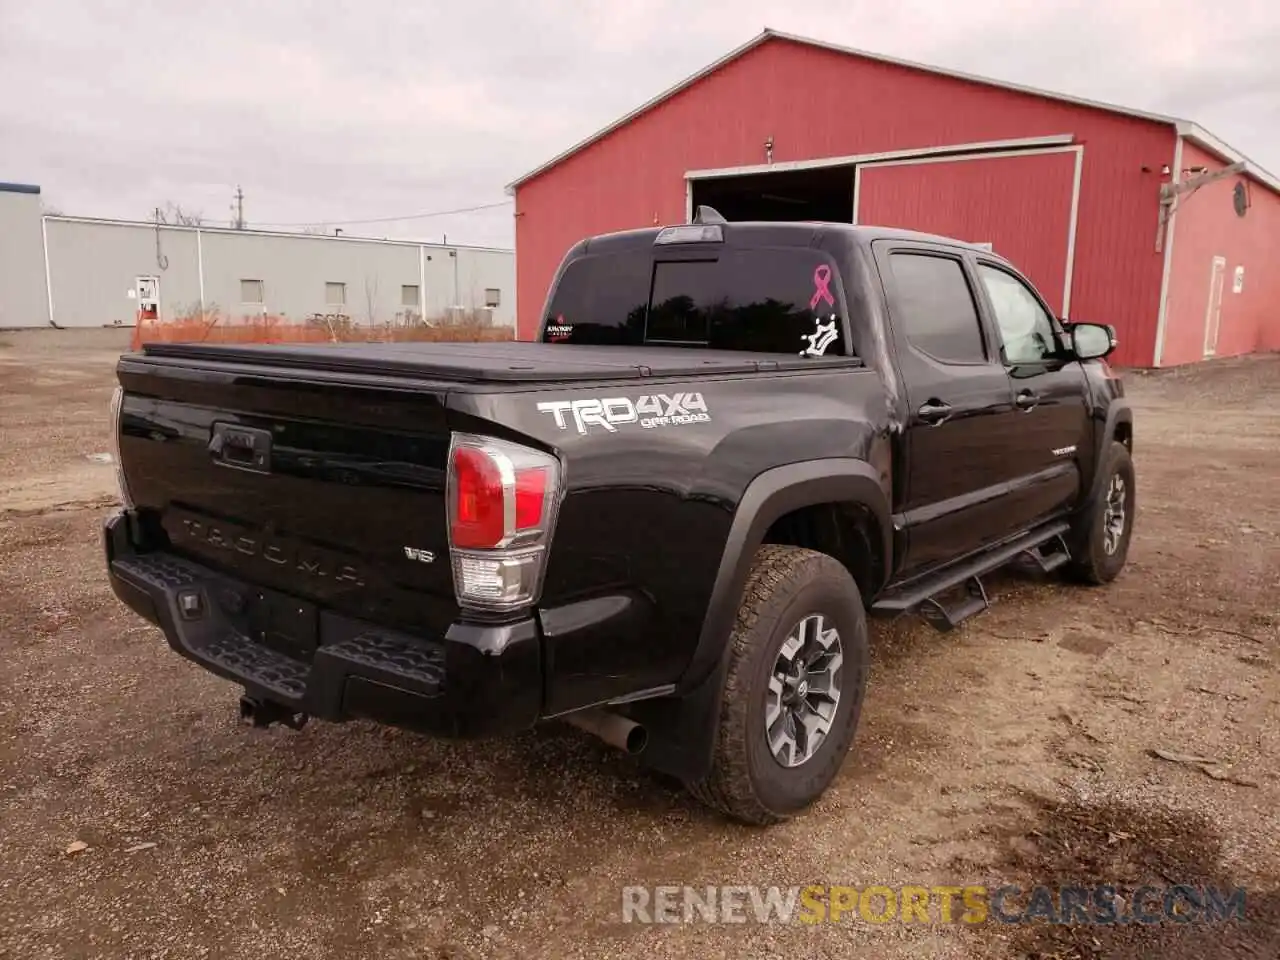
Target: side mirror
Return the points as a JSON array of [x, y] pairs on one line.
[[1092, 341]]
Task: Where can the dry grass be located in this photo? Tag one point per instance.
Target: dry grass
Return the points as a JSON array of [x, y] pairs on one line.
[[275, 329]]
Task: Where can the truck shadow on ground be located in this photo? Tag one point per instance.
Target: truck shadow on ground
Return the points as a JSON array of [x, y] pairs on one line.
[[1057, 844]]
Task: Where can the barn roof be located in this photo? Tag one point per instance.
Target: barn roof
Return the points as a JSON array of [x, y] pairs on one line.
[[1185, 128]]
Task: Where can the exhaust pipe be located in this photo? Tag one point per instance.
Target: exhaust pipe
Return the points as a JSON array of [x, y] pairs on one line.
[[613, 728]]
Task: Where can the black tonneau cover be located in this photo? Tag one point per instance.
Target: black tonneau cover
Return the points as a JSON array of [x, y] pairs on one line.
[[509, 362]]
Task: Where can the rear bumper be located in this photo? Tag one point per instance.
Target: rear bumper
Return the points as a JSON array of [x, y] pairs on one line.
[[476, 680]]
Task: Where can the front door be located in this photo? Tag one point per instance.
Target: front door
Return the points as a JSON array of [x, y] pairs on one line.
[[1213, 315], [959, 408], [1050, 440]]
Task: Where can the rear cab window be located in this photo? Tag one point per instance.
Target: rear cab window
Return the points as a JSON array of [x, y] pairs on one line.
[[765, 299], [935, 307]]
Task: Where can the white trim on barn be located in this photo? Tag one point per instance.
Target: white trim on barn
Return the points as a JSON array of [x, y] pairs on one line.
[[1166, 270], [943, 151], [1207, 141], [1077, 149]]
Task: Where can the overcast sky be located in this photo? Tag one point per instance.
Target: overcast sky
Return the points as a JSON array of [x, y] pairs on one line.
[[331, 111]]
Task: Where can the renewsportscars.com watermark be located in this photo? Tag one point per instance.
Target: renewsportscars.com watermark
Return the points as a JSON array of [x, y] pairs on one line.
[[1103, 904]]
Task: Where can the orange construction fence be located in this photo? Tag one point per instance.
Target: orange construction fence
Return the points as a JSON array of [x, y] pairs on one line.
[[215, 328]]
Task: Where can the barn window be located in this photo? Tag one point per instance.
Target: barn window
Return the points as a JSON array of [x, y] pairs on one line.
[[409, 295], [335, 294], [251, 291], [492, 297]]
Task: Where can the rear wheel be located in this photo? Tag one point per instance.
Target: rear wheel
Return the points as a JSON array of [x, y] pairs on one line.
[[1101, 536], [793, 694]]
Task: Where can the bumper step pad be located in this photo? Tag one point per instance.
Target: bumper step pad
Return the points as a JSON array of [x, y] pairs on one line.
[[218, 640]]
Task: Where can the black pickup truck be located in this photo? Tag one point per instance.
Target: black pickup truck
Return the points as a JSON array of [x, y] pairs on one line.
[[666, 522]]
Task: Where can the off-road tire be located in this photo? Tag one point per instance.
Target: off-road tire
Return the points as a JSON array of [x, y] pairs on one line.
[[785, 585], [1090, 563]]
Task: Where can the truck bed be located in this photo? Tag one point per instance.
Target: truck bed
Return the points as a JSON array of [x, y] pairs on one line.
[[505, 362]]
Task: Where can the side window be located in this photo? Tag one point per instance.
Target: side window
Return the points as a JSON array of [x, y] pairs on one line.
[[935, 307], [1025, 327]]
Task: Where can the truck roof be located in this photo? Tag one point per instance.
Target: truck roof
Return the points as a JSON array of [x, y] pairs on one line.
[[770, 233]]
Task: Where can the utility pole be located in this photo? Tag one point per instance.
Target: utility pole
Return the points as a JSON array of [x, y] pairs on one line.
[[238, 209]]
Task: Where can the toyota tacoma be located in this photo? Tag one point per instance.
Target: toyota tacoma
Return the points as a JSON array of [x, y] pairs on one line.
[[666, 522]]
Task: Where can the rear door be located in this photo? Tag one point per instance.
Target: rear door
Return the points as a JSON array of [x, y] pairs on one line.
[[1050, 437], [959, 405]]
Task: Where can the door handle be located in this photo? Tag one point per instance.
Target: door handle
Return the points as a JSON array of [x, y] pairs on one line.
[[934, 412], [1026, 400]]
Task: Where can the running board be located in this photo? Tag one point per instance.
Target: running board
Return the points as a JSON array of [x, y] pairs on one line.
[[923, 596]]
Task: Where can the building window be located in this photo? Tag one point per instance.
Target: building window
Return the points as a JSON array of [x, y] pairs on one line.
[[492, 297], [251, 291], [335, 294], [409, 295]]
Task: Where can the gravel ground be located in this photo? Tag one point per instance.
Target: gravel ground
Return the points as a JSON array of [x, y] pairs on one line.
[[139, 819]]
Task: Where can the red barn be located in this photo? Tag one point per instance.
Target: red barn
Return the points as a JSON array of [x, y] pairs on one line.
[[1143, 221]]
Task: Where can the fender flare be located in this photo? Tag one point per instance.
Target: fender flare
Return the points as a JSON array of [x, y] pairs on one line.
[[684, 724], [1118, 412], [771, 495]]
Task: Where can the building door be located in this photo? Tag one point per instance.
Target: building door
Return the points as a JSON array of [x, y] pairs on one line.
[[1213, 315], [148, 293]]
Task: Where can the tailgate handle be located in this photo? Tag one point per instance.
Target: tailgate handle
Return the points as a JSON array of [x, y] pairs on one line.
[[245, 448]]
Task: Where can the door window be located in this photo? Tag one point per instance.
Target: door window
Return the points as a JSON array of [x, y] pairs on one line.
[[935, 308], [1025, 326]]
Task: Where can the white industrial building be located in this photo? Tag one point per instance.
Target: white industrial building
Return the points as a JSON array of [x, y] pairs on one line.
[[81, 272]]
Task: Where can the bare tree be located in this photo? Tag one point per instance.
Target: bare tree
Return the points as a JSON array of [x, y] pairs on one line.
[[172, 214]]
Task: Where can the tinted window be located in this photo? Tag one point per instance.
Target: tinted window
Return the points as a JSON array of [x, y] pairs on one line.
[[934, 307], [1025, 327], [767, 300], [600, 300]]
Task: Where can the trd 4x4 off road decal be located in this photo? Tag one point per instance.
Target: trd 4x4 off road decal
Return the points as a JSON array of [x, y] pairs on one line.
[[656, 410]]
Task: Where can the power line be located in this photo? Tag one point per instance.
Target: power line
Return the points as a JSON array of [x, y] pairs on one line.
[[408, 216]]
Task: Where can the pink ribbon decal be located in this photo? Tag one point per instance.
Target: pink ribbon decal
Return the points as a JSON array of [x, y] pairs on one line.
[[821, 288]]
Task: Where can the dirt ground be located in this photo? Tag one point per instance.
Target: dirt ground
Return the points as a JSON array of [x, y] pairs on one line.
[[1017, 749]]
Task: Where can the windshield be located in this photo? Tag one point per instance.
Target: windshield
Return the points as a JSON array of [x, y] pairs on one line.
[[762, 300]]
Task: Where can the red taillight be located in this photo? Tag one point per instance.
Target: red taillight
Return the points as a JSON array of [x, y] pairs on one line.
[[499, 493], [531, 493], [502, 502], [479, 515]]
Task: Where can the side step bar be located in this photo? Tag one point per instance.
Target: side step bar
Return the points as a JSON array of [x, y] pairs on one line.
[[924, 596]]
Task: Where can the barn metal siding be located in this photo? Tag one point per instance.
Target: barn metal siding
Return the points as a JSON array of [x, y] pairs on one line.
[[1208, 227], [820, 103], [1021, 205]]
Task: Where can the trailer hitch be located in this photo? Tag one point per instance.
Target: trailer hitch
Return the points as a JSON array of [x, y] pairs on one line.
[[263, 713]]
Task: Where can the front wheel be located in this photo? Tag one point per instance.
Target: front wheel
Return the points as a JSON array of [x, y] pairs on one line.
[[794, 690], [1101, 536]]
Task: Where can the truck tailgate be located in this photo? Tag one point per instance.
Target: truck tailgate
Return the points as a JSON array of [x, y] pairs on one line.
[[322, 490]]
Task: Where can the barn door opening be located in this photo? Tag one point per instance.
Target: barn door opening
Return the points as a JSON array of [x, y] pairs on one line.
[[820, 194], [1213, 315]]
